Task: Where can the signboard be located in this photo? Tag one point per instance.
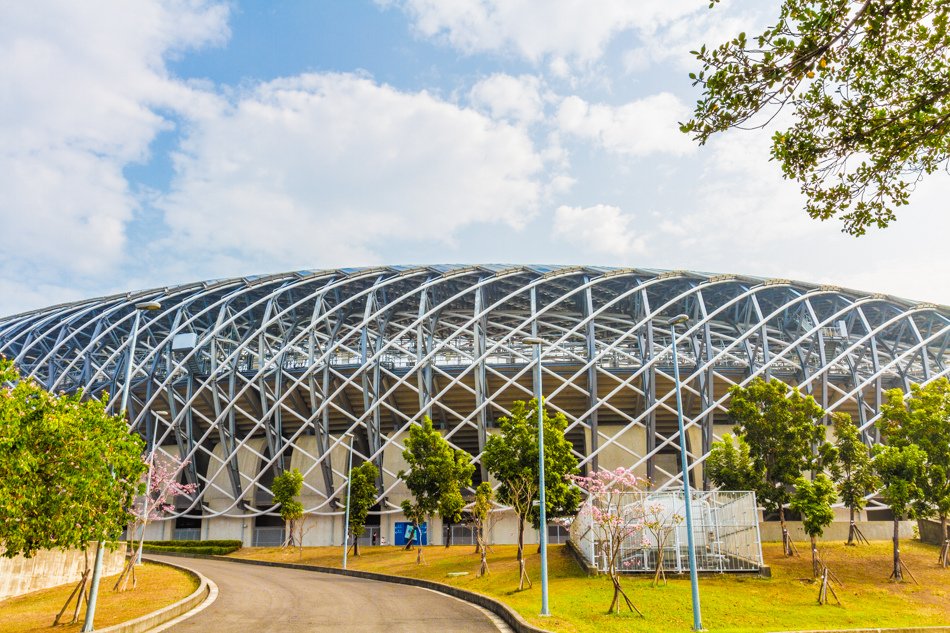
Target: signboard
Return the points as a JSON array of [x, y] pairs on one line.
[[404, 531]]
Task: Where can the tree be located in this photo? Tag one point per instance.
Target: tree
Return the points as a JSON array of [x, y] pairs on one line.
[[662, 521], [161, 487], [512, 458], [436, 475], [868, 84], [481, 513], [813, 499], [852, 471], [781, 426], [730, 466], [362, 497], [901, 469], [923, 419], [616, 512], [68, 471], [286, 488]]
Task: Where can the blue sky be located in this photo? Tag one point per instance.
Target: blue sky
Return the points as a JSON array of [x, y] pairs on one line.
[[149, 143]]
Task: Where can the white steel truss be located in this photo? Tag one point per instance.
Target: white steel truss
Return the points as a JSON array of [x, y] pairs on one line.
[[278, 369]]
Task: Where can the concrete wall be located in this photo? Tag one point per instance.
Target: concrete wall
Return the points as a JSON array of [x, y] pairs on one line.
[[930, 531], [328, 529], [50, 568], [837, 531], [621, 448]]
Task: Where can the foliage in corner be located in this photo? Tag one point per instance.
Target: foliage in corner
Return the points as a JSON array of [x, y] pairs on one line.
[[867, 84]]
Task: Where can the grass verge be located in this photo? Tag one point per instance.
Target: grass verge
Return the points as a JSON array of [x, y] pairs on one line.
[[787, 601], [158, 586]]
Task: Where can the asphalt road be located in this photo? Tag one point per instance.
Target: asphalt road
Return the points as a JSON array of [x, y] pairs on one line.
[[253, 598]]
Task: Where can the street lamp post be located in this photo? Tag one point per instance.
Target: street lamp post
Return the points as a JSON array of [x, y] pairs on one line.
[[346, 520], [693, 577], [87, 625], [537, 343]]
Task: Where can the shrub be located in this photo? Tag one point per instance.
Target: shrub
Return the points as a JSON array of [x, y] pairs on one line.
[[212, 547], [210, 543]]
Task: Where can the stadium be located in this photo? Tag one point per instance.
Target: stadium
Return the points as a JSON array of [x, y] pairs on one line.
[[244, 378]]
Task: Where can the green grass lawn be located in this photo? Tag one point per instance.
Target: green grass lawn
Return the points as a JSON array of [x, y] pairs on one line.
[[786, 601], [158, 586]]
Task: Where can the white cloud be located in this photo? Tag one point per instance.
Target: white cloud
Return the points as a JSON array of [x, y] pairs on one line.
[[82, 86], [323, 168], [516, 99], [600, 229], [745, 218], [672, 41], [536, 29], [641, 127]]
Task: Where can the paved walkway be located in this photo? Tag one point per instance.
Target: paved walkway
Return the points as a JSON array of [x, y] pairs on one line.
[[253, 598]]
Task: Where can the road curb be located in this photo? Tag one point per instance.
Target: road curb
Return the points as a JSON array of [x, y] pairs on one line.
[[909, 629], [199, 599], [503, 611]]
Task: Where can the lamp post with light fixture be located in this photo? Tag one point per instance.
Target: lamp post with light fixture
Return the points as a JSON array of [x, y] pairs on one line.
[[346, 520], [88, 625], [693, 578], [542, 519]]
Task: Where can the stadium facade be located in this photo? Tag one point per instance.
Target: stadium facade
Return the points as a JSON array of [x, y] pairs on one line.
[[244, 378]]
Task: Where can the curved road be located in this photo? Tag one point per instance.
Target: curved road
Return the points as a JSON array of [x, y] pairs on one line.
[[253, 598]]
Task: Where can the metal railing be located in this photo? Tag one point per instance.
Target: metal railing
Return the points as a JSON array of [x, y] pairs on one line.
[[462, 535], [725, 533], [268, 536], [186, 534]]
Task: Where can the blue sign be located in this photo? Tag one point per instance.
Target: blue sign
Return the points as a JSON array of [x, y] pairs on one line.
[[405, 530]]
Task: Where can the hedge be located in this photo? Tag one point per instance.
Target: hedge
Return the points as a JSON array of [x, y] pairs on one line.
[[214, 550], [211, 543]]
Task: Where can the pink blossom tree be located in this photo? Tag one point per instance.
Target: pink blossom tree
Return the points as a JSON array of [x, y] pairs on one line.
[[162, 486], [616, 518], [662, 521]]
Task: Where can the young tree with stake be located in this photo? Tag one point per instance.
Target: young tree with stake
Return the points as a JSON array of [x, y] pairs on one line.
[[813, 499], [852, 471], [923, 419], [481, 513], [616, 515], [435, 476], [662, 521], [161, 488], [512, 458], [901, 469], [286, 488], [780, 426], [362, 497]]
